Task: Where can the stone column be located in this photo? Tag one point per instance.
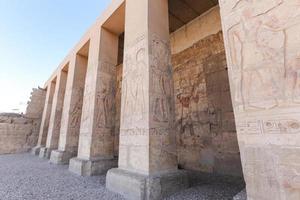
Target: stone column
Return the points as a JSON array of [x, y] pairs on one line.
[[96, 141], [55, 118], [262, 45], [71, 115], [45, 119], [147, 151]]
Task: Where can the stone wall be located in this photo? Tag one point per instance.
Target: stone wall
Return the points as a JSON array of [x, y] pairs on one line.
[[206, 134], [19, 133]]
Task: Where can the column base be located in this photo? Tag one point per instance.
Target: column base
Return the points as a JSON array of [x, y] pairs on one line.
[[35, 150], [92, 167], [45, 152], [141, 187], [61, 157]]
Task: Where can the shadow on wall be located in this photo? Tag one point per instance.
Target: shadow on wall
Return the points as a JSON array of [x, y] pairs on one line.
[[206, 133]]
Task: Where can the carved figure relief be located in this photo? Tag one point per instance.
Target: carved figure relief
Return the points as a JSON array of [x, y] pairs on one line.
[[105, 105], [161, 79], [133, 96], [258, 54], [76, 110]]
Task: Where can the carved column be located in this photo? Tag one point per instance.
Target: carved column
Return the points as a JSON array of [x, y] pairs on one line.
[[45, 119], [55, 118], [262, 46], [147, 150], [96, 141], [71, 115]]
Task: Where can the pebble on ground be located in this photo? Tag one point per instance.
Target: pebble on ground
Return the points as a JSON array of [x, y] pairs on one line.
[[27, 177]]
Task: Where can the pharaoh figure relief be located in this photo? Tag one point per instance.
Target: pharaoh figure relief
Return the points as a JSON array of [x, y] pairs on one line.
[[76, 110], [105, 104], [161, 79], [134, 80], [264, 75]]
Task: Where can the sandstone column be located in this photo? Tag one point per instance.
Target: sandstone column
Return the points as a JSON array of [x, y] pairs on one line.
[[96, 141], [45, 119], [262, 45], [147, 150], [71, 115], [55, 118]]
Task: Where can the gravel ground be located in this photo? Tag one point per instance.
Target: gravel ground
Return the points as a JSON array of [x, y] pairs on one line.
[[241, 196], [27, 177]]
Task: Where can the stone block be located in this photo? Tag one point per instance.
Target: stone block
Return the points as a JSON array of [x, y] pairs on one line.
[[35, 150], [91, 167], [45, 153], [141, 187], [61, 157], [42, 152]]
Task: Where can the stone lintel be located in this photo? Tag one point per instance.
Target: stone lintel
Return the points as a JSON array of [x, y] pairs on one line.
[[61, 157], [142, 187], [35, 150], [93, 167]]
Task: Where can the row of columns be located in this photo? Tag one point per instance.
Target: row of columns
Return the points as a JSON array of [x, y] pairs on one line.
[[80, 109], [261, 48], [81, 121]]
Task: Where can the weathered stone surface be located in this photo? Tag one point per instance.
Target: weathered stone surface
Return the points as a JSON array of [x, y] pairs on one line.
[[72, 109], [36, 150], [140, 187], [45, 152], [56, 111], [258, 98], [92, 167], [46, 115], [205, 126], [61, 157], [262, 48], [19, 133]]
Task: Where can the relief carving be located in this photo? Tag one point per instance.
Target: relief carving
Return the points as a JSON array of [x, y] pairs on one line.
[[134, 80], [76, 110], [262, 75], [105, 105], [161, 79], [281, 126]]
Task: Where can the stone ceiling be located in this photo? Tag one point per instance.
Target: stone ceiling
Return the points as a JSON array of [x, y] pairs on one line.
[[183, 11]]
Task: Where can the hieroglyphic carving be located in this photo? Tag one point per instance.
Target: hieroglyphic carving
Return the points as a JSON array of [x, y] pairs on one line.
[[283, 126], [134, 84], [258, 54]]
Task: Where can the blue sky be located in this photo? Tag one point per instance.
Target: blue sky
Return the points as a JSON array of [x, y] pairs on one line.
[[35, 36]]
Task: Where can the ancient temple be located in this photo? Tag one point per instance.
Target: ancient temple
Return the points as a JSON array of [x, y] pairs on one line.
[[156, 88]]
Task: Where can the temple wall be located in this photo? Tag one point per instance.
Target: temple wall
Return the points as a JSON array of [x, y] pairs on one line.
[[19, 133], [205, 127]]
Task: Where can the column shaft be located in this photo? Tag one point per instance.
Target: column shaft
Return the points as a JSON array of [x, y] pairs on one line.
[[96, 142], [147, 150], [56, 113], [45, 119], [71, 115], [262, 47]]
